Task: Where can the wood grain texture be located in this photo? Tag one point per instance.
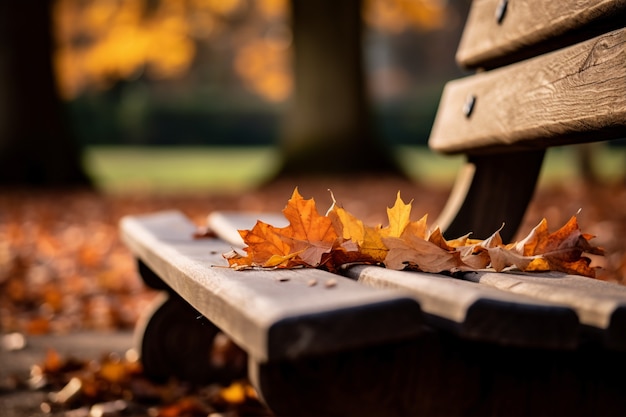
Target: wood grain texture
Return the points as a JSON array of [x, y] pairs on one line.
[[573, 95], [270, 314], [529, 28], [598, 304], [477, 312]]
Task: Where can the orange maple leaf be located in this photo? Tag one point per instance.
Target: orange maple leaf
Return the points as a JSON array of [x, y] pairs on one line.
[[311, 235], [561, 250], [266, 247], [307, 240]]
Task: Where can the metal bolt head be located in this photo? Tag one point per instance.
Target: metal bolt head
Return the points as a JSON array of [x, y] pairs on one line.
[[468, 106], [501, 10]]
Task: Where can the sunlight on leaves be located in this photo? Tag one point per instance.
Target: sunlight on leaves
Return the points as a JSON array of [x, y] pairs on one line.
[[339, 238]]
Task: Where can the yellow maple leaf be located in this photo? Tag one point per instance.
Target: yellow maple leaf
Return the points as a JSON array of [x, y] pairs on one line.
[[360, 243], [400, 226], [373, 246], [348, 226], [418, 228], [399, 217]]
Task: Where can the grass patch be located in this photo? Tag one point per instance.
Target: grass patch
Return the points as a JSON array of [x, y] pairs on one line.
[[560, 164], [184, 169], [194, 169]]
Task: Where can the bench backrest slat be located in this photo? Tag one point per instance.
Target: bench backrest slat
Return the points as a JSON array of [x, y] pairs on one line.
[[270, 314], [499, 32], [577, 94]]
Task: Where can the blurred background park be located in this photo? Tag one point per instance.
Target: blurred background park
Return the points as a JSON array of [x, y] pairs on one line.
[[199, 76], [115, 107], [170, 95]]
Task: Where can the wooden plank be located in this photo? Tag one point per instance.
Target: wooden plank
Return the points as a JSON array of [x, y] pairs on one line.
[[479, 312], [494, 37], [270, 314], [573, 95], [598, 304]]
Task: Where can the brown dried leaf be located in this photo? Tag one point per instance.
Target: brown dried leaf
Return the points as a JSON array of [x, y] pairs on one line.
[[416, 253], [561, 250]]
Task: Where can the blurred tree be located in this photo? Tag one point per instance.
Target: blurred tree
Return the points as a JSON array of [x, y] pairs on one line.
[[328, 127], [328, 130], [101, 42], [36, 145]]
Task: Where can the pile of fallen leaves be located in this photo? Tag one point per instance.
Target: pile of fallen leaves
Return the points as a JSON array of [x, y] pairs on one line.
[[115, 386], [339, 238]]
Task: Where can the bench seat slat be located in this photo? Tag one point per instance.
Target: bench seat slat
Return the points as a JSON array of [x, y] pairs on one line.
[[577, 94], [270, 314], [479, 312], [529, 28], [598, 304]]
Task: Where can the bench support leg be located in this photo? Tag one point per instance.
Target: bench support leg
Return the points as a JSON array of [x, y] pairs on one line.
[[175, 341], [496, 189]]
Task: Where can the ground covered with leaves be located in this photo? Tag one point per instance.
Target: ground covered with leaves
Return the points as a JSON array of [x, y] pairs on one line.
[[63, 268]]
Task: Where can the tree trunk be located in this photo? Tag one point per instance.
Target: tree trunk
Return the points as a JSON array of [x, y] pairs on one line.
[[584, 160], [36, 146], [328, 130]]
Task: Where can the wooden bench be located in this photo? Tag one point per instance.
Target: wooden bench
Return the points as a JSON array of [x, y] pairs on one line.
[[382, 342]]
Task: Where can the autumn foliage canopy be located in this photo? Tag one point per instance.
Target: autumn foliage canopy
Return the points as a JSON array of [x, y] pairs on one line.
[[338, 239]]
